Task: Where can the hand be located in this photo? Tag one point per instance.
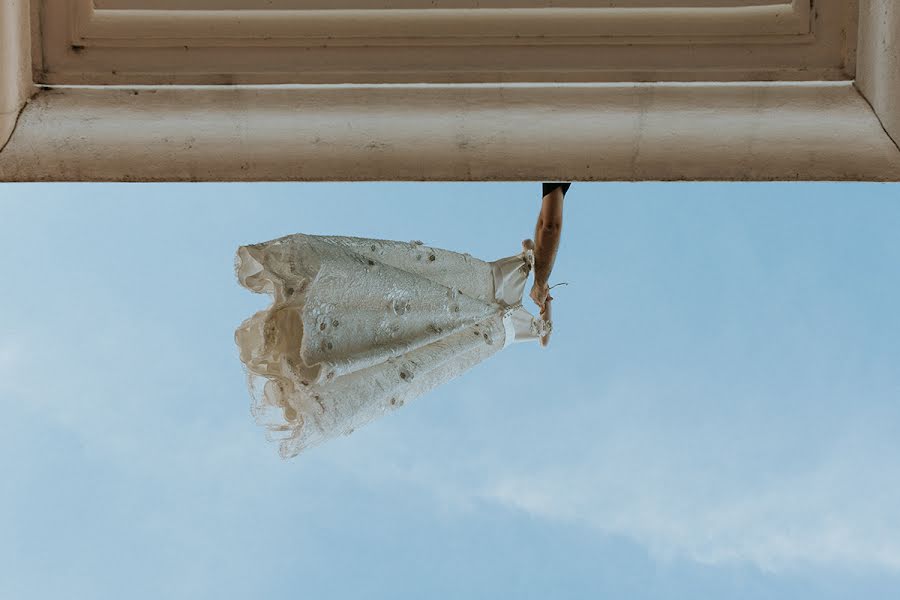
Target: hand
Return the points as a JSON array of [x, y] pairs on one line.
[[545, 314], [540, 293]]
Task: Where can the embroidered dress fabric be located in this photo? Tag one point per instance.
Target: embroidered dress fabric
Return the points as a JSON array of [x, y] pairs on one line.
[[359, 327]]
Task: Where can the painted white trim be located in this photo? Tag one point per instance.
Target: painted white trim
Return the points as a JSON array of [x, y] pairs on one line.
[[879, 60], [482, 26], [418, 4], [443, 133], [579, 41], [582, 132], [15, 63]]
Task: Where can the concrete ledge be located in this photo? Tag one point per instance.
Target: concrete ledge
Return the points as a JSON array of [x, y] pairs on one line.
[[737, 132], [879, 60], [15, 63]]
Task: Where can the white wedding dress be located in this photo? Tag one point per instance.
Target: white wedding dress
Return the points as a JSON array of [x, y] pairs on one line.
[[359, 327]]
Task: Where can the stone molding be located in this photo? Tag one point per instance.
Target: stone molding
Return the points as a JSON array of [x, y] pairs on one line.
[[545, 129], [15, 64], [737, 132], [124, 43], [879, 55]]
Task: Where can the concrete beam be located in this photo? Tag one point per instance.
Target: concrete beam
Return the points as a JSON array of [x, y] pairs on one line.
[[878, 70], [15, 64], [733, 132]]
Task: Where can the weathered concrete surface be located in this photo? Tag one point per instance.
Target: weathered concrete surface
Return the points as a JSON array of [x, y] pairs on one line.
[[879, 60], [15, 63], [590, 132]]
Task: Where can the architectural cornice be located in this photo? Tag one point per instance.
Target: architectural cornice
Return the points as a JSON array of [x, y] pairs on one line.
[[472, 132], [727, 127], [879, 52], [15, 64], [139, 42]]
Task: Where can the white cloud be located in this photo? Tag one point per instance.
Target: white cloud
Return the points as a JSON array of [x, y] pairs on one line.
[[682, 479], [12, 356], [718, 479], [839, 513], [772, 531], [8, 355]]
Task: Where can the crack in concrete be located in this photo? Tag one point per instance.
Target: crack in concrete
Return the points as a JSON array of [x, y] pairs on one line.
[[875, 112], [15, 125]]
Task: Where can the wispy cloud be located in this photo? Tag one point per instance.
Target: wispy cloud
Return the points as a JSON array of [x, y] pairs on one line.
[[803, 521], [12, 355], [716, 479], [839, 511]]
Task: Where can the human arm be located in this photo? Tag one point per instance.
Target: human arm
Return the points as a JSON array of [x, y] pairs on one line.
[[546, 242]]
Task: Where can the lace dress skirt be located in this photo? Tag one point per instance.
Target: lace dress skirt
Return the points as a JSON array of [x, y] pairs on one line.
[[359, 327]]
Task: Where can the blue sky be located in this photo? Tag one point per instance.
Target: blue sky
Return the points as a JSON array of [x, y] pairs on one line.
[[718, 414]]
